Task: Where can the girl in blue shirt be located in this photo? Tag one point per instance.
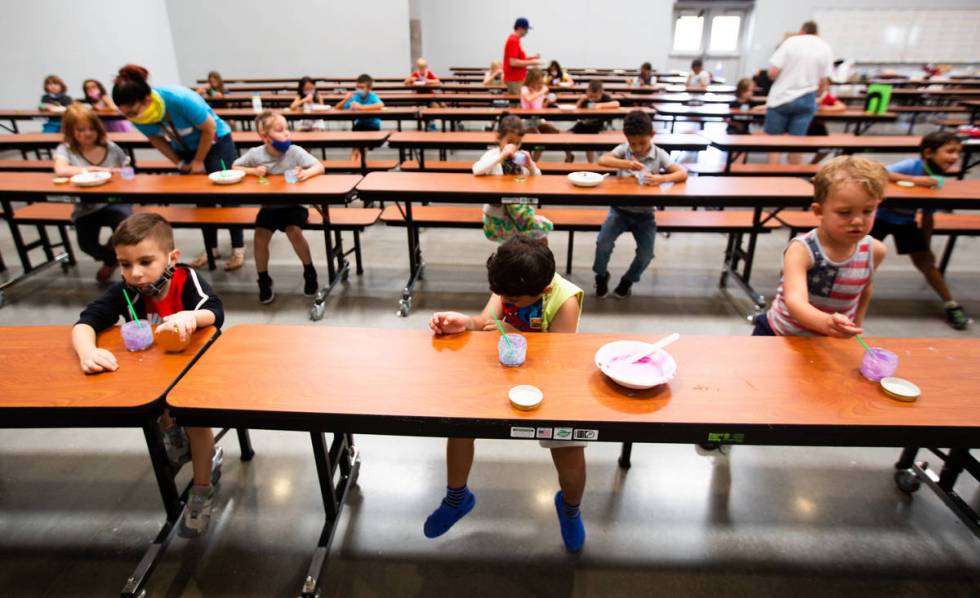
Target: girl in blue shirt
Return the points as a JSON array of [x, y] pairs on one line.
[[939, 152], [185, 129]]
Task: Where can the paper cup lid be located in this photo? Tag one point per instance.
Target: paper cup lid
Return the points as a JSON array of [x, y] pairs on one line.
[[525, 397], [900, 389], [905, 183]]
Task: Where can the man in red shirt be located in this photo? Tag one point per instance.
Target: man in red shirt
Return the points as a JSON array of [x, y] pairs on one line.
[[515, 61]]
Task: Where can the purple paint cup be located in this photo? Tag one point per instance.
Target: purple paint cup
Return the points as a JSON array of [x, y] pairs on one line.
[[878, 364], [137, 335], [512, 353]]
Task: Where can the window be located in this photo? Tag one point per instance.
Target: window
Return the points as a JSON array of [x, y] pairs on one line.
[[687, 33], [703, 27], [724, 33]]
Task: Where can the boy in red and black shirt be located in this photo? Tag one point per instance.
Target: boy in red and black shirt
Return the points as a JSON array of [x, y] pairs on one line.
[[173, 296]]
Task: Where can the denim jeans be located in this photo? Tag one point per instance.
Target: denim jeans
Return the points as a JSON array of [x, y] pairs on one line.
[[793, 117], [88, 227], [222, 150], [644, 229]]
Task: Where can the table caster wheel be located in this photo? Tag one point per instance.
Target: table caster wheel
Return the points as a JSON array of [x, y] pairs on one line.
[[316, 312], [404, 307], [907, 481]]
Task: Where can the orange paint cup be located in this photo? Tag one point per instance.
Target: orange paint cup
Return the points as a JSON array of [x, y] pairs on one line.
[[169, 340]]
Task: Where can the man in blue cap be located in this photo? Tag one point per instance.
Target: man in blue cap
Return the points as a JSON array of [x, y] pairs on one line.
[[515, 61]]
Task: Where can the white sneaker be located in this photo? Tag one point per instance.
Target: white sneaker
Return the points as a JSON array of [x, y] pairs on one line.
[[197, 515]]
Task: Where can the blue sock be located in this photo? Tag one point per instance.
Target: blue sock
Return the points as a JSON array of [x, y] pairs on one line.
[[571, 512], [455, 496]]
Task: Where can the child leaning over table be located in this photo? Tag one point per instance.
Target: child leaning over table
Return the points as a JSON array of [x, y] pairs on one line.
[[640, 158], [827, 275], [501, 222], [527, 295], [161, 290], [277, 156]]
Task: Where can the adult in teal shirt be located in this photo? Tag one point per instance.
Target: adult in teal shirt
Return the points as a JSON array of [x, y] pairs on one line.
[[185, 129]]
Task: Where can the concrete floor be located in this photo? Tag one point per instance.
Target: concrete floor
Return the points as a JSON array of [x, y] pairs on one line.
[[78, 507]]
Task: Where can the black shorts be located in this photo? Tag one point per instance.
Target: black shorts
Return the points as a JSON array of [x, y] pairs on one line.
[[587, 128], [279, 218], [365, 127], [908, 237], [762, 327]]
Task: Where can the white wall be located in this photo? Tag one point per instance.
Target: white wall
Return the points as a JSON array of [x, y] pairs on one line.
[[774, 17], [314, 37], [76, 42], [579, 33]]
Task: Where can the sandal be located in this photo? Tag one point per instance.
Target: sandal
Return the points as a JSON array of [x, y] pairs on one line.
[[237, 259], [202, 260]]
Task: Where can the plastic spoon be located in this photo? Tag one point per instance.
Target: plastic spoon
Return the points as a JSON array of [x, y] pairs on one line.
[[653, 348]]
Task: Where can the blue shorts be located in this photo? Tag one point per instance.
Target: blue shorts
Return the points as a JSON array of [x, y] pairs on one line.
[[792, 117]]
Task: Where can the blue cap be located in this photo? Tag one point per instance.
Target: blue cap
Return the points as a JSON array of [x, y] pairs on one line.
[[521, 23]]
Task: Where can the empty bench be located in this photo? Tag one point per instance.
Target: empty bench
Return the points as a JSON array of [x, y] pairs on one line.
[[734, 223]]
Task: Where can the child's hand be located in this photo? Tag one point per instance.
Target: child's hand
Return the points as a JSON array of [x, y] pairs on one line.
[[98, 360], [840, 326], [197, 167], [491, 326], [184, 323], [925, 181], [653, 179], [509, 150], [635, 165], [302, 175], [260, 171], [448, 322], [184, 166], [355, 105]]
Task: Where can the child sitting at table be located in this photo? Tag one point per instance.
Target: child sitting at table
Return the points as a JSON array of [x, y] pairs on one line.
[[527, 295], [640, 158], [594, 98], [939, 152], [501, 222], [96, 96], [494, 75], [307, 97], [645, 78], [536, 96], [741, 117], [55, 99], [87, 148], [215, 87], [362, 100], [698, 77], [557, 76], [422, 76], [278, 156], [827, 275], [172, 295]]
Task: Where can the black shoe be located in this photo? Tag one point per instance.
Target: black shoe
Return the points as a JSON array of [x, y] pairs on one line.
[[266, 295], [310, 284], [601, 285], [623, 289], [957, 318]]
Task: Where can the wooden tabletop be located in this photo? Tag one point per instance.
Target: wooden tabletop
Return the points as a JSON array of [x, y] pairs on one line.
[[845, 141], [136, 139], [239, 114], [397, 380], [546, 113], [571, 141], [41, 370], [187, 188], [955, 194], [462, 187]]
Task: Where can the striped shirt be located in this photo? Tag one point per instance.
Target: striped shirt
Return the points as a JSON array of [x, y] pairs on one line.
[[832, 287]]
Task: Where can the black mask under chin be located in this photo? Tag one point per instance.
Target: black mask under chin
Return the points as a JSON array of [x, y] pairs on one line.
[[155, 288]]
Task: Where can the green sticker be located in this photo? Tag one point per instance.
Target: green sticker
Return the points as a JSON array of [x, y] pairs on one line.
[[726, 437], [263, 180]]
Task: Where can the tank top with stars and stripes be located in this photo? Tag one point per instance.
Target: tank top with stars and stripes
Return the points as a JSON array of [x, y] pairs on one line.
[[832, 287]]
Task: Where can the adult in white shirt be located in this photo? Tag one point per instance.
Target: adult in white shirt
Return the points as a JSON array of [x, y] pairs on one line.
[[800, 69]]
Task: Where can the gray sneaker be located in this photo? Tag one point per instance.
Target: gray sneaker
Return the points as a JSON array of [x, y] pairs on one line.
[[177, 447], [197, 514]]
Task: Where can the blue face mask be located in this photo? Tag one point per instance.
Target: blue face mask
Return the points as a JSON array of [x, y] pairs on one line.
[[281, 146]]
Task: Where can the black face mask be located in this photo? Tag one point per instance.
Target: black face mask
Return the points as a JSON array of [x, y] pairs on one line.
[[155, 288]]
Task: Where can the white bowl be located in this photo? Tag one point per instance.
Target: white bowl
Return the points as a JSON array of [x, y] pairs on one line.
[[583, 178], [226, 177], [91, 179], [566, 106], [635, 378]]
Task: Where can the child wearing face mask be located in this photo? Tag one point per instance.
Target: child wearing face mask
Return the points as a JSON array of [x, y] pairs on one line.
[[277, 155], [86, 148], [94, 94], [362, 100], [161, 290]]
